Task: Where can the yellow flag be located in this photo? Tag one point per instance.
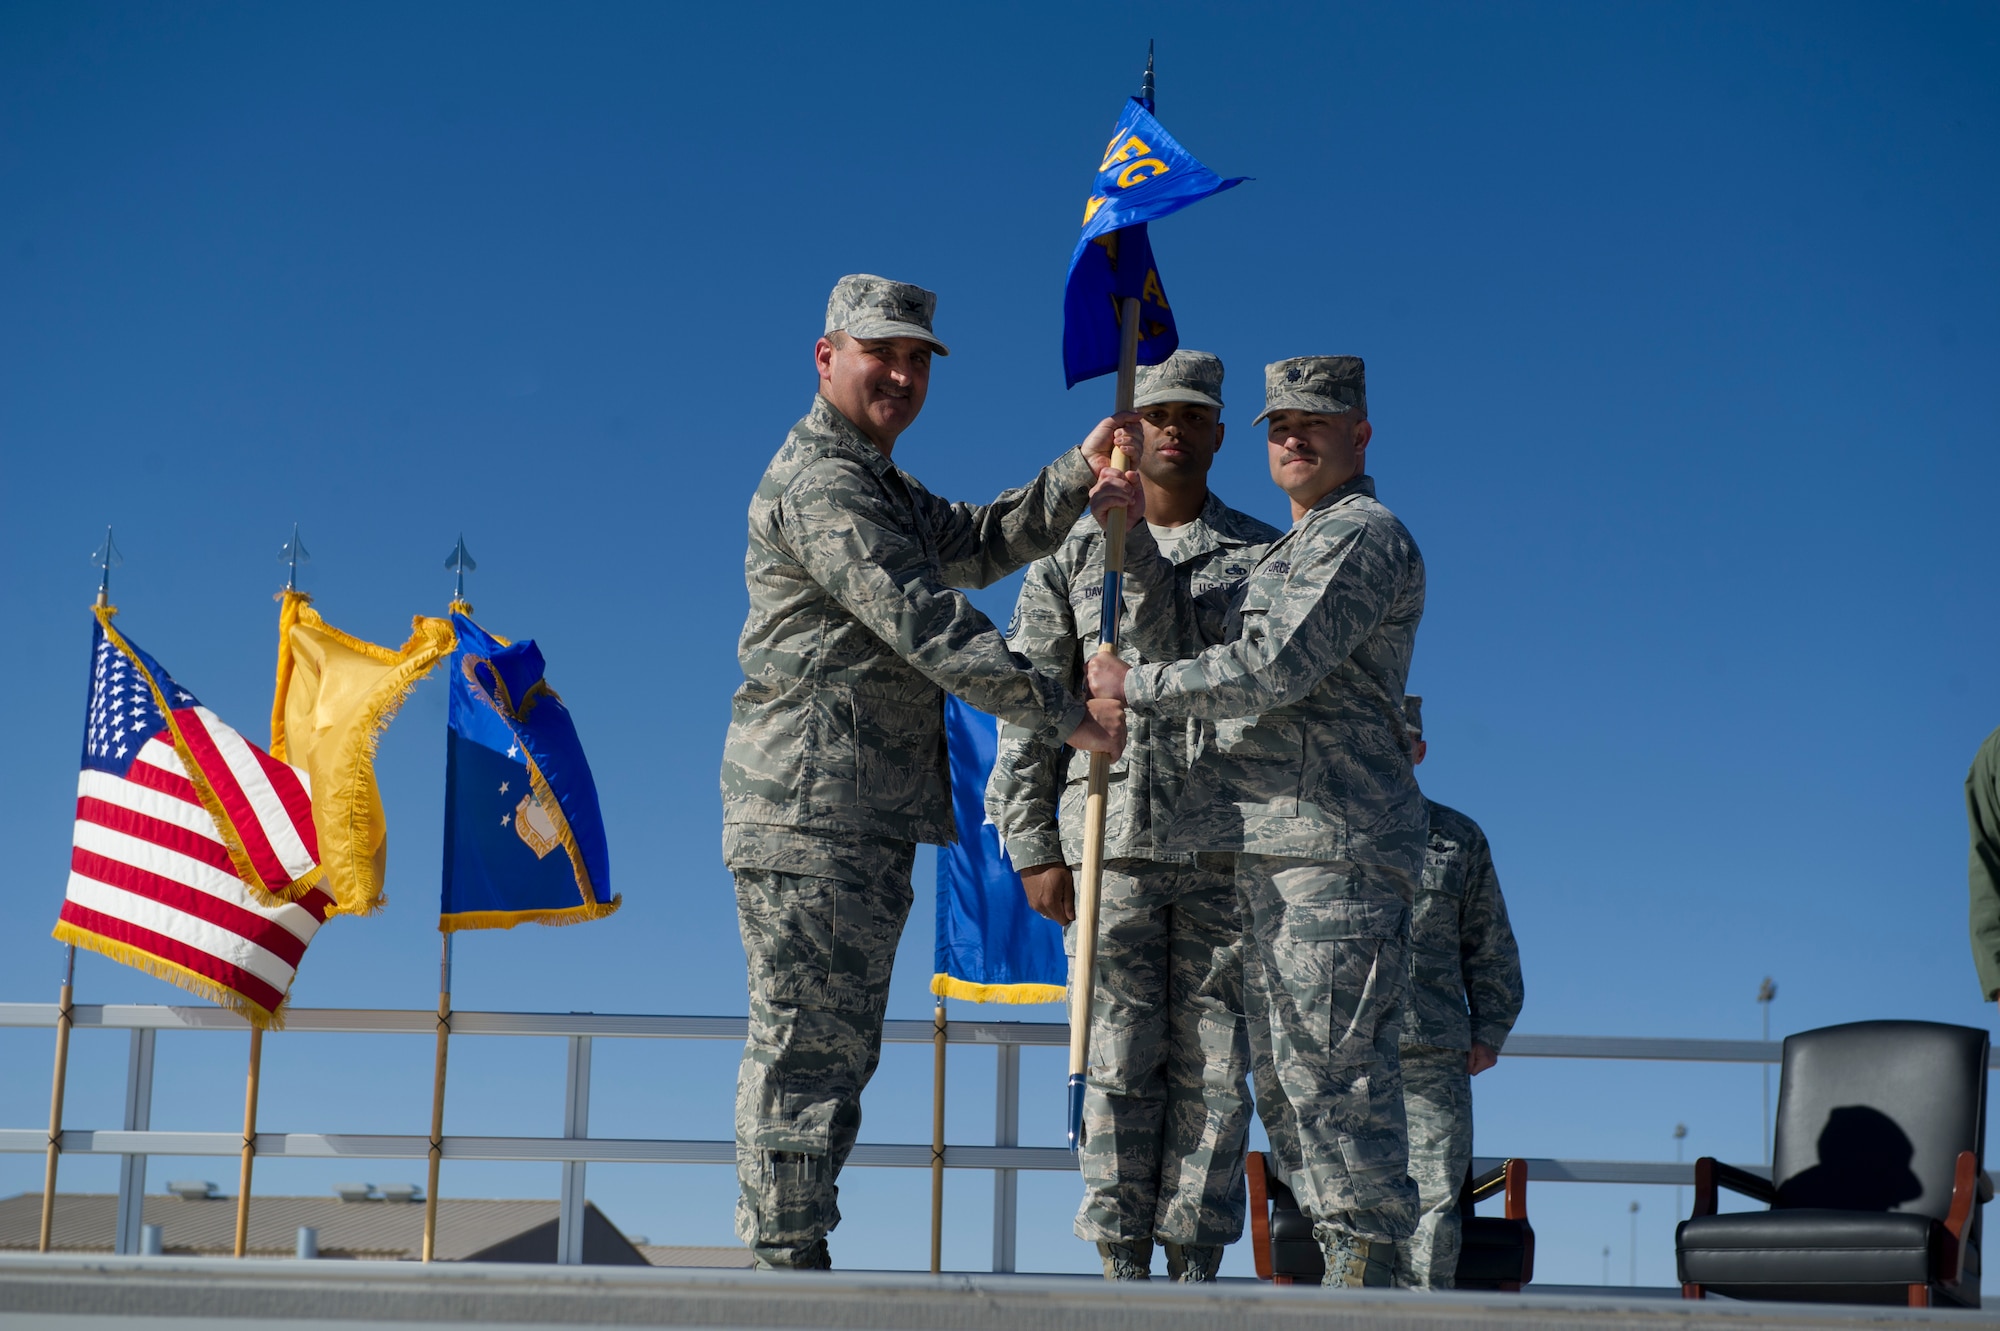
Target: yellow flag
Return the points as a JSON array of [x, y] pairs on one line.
[[336, 694]]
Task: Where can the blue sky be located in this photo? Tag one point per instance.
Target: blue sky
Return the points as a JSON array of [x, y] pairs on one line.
[[1679, 320]]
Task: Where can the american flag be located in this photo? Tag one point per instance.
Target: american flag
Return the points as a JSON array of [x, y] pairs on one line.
[[194, 857]]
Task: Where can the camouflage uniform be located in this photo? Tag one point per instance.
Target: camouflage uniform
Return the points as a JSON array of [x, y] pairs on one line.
[[1166, 1111], [1465, 988], [835, 761], [1303, 771]]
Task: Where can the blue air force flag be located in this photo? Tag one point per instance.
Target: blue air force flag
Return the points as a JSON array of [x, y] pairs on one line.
[[991, 948], [1145, 175], [522, 836]]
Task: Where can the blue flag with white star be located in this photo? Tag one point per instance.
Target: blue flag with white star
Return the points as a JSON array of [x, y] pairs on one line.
[[1145, 175], [523, 839]]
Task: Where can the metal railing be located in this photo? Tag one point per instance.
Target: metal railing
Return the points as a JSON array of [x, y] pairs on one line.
[[576, 1148]]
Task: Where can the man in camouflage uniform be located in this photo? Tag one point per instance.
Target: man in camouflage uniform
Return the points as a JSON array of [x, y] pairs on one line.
[[1465, 992], [1304, 772], [1166, 1111], [835, 763]]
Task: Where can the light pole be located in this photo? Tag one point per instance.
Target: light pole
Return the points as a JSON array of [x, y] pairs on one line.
[[1765, 993], [1680, 1139], [1633, 1210]]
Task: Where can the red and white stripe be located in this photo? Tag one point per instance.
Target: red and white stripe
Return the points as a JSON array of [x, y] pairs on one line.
[[149, 868], [268, 802]]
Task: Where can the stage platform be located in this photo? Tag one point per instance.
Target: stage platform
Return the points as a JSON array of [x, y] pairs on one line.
[[87, 1293]]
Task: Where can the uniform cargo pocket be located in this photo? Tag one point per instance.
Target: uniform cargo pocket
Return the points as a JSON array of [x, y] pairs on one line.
[[788, 928], [1265, 756], [1345, 919], [898, 746]]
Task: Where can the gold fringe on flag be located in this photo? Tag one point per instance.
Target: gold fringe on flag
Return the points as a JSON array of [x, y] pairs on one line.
[[946, 986], [174, 973]]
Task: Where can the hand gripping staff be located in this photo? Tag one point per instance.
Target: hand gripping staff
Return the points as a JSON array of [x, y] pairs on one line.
[[1083, 979]]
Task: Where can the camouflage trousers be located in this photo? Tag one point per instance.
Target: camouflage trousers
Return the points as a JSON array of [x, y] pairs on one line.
[[821, 942], [1437, 1101], [1326, 974], [1166, 1111]]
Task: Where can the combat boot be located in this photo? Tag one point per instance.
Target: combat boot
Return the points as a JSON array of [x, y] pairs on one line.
[[813, 1257], [1127, 1261], [1193, 1263], [1355, 1262]]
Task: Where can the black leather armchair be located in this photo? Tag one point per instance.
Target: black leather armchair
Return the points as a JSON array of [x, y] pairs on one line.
[[1497, 1253], [1876, 1175]]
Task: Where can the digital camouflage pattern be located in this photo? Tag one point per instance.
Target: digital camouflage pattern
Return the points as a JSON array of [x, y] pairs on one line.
[[864, 305], [1035, 796], [1166, 1111], [1328, 385], [821, 940], [854, 634], [1437, 1103], [1465, 968], [1306, 753], [1185, 376], [1326, 977], [1465, 986]]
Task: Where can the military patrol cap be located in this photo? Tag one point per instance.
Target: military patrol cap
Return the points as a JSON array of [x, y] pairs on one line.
[[1413, 713], [1331, 385], [1185, 376], [864, 305]]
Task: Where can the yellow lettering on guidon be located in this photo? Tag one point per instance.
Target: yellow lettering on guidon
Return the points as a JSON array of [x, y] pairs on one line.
[[1137, 172], [1134, 146], [1153, 291], [1090, 209]]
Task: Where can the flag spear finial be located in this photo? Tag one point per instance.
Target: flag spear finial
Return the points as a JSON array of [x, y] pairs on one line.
[[292, 554], [1146, 85], [460, 562], [106, 558]]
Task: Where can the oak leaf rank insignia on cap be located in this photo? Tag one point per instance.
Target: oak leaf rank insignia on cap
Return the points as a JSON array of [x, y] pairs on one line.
[[1328, 385]]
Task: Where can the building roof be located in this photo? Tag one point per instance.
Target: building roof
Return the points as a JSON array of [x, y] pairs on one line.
[[469, 1229]]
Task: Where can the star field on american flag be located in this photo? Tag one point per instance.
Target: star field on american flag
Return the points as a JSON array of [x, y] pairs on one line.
[[123, 714]]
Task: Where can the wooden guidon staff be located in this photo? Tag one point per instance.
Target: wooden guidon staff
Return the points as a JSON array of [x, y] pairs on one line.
[[1083, 979]]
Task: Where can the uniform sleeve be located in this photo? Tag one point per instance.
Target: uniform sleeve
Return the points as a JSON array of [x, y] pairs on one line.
[[848, 539], [978, 544], [1489, 959], [1297, 626], [1023, 795], [1982, 815]]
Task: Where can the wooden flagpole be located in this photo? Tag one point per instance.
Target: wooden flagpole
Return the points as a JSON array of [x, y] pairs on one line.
[[459, 562], [1083, 979], [63, 1020], [249, 1139], [437, 1102], [937, 1137], [106, 559]]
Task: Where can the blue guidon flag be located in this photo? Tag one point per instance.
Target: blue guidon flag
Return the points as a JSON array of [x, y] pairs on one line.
[[1145, 175], [991, 948], [523, 838]]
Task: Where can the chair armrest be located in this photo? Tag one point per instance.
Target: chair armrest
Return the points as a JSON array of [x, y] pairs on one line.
[[1511, 1175], [1966, 1178], [1260, 1212], [1711, 1175], [1517, 1192]]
